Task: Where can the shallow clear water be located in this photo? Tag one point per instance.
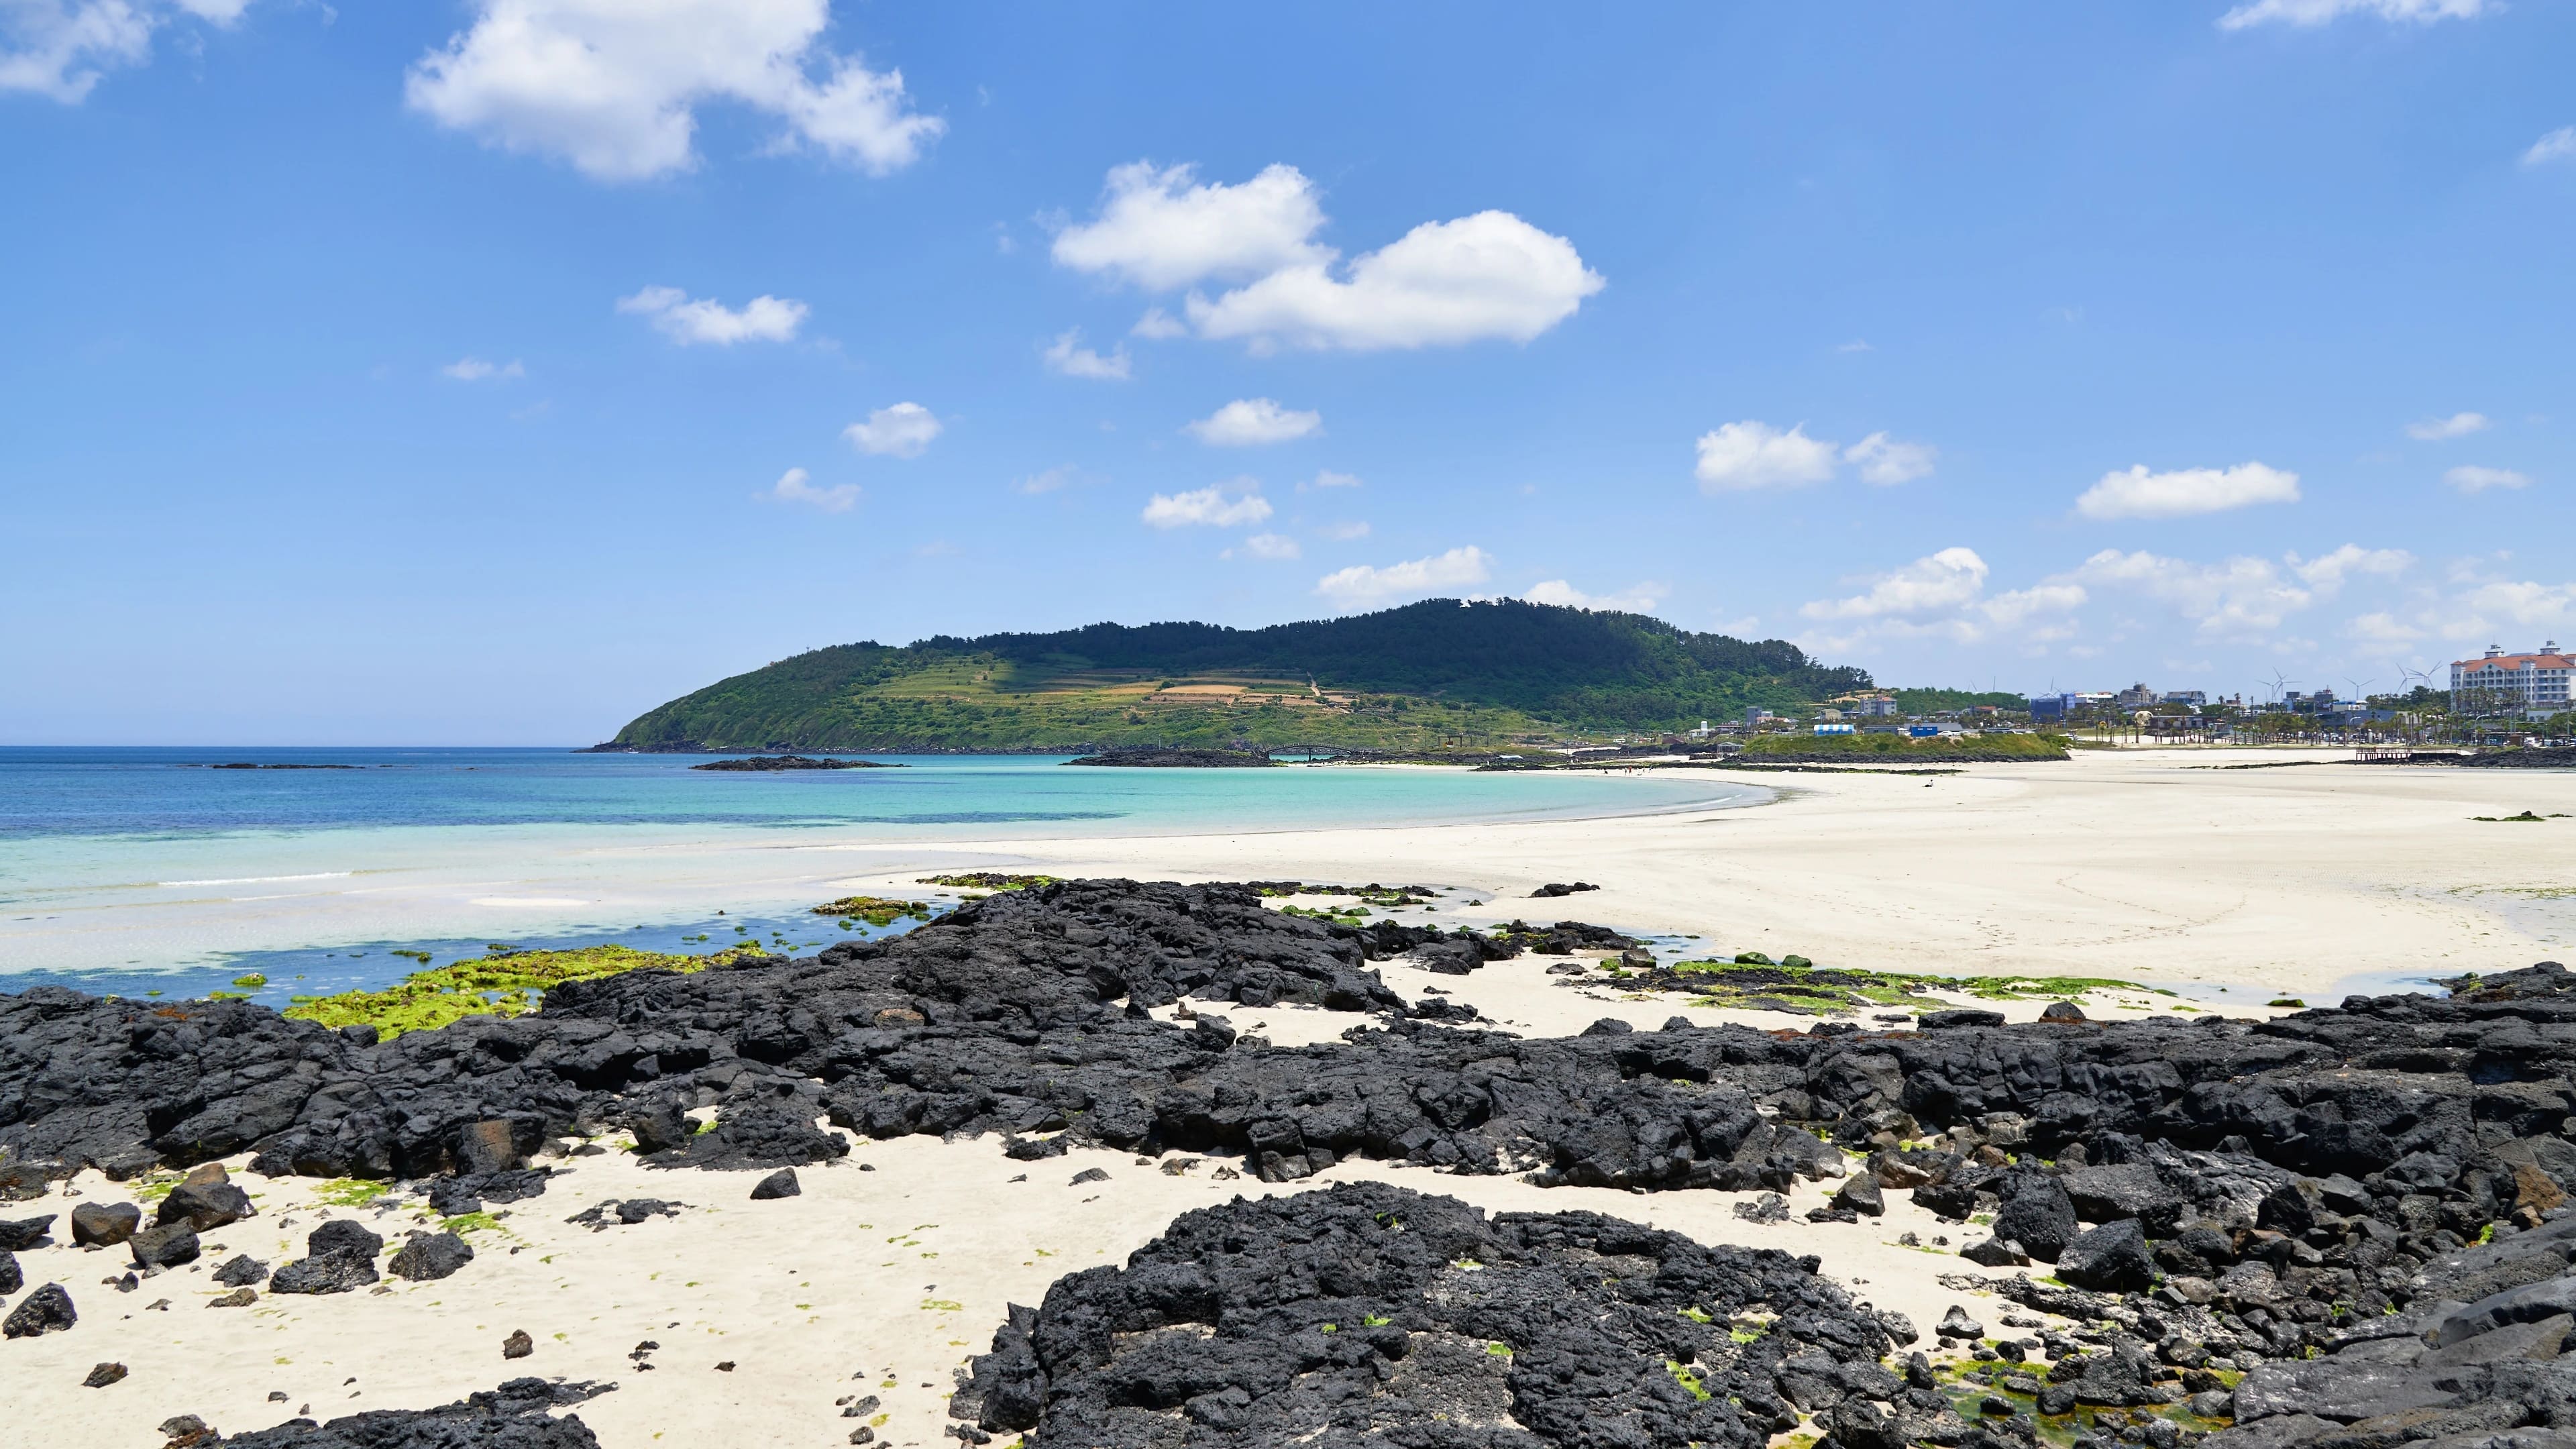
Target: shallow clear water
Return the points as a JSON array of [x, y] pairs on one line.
[[137, 861]]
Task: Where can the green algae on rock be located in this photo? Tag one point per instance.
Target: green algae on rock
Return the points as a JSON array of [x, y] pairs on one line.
[[1752, 983], [875, 910], [505, 983]]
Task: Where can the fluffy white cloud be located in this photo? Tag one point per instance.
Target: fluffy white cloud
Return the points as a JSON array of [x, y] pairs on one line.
[[1361, 585], [1269, 545], [1751, 454], [613, 86], [1640, 599], [1490, 275], [1160, 229], [2320, 12], [60, 49], [1219, 505], [1067, 355], [690, 322], [1950, 579], [901, 431], [2236, 598], [2382, 627], [793, 487], [2138, 493], [1250, 422], [1443, 283], [2327, 573], [2457, 425], [2469, 478], [2558, 145], [2523, 602], [1885, 461], [475, 369], [2017, 606]]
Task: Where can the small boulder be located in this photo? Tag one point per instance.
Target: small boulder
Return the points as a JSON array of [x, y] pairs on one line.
[[166, 1246], [340, 1235], [429, 1256], [204, 1206], [103, 1375], [238, 1298], [47, 1310], [1957, 1324], [20, 1234], [241, 1271], [1088, 1174], [489, 1146], [2061, 1011], [1860, 1193], [1956, 1017], [660, 1126], [325, 1273], [1996, 1253], [187, 1431], [105, 1223], [781, 1183], [2112, 1258], [518, 1344], [2037, 1214], [11, 1278]]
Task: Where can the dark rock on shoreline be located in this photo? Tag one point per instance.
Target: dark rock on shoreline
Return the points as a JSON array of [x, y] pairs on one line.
[[47, 1310], [793, 762], [1370, 1314], [1180, 759], [515, 1416]]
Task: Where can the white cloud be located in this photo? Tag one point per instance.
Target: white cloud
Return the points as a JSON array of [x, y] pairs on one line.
[[1161, 230], [2138, 493], [705, 320], [2524, 602], [2457, 425], [2237, 597], [1950, 579], [2320, 12], [1219, 505], [1857, 344], [2016, 606], [1067, 356], [1639, 599], [793, 487], [61, 49], [901, 431], [1884, 461], [1361, 585], [2327, 573], [2469, 478], [1044, 481], [1346, 530], [1490, 275], [613, 86], [1753, 454], [475, 369], [2382, 628], [1327, 478], [1269, 545], [1250, 422], [1441, 284], [2558, 145]]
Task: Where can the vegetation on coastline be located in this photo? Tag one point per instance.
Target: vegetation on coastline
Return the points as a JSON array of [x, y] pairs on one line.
[[987, 880], [505, 983], [1826, 749], [1753, 982], [875, 910], [1421, 677]]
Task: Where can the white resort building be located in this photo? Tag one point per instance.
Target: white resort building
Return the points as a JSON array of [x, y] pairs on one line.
[[2537, 681]]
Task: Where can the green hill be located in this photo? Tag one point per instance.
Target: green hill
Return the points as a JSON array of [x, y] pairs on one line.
[[1436, 674]]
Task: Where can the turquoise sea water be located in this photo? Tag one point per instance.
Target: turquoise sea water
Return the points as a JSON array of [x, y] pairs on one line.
[[131, 869]]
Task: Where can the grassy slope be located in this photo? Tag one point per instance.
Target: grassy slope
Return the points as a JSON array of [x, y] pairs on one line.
[[1419, 677]]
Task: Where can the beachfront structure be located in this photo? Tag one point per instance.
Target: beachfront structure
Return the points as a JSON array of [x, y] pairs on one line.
[[2534, 681], [2136, 696], [2193, 698]]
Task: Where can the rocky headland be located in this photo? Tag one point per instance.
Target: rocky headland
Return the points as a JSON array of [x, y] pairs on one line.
[[1154, 759], [2345, 1227], [794, 762]]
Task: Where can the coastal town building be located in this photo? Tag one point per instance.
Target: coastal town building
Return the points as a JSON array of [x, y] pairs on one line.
[[2536, 681], [2136, 696]]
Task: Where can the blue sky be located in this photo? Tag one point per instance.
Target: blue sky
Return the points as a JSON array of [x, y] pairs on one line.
[[491, 371]]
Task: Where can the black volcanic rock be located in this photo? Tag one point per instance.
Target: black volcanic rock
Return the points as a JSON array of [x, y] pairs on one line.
[[793, 762], [514, 1416], [1156, 759], [1370, 1314]]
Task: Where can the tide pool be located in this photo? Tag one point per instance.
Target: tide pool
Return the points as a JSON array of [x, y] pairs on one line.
[[127, 861]]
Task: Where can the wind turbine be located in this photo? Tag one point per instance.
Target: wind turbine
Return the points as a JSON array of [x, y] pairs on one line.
[[2278, 684]]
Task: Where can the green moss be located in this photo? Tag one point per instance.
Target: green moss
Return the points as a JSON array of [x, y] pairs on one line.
[[509, 983], [1683, 1376], [1499, 1350], [986, 880], [1696, 1315], [875, 910], [348, 1192], [469, 1223], [942, 1305], [1753, 982], [251, 982]]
